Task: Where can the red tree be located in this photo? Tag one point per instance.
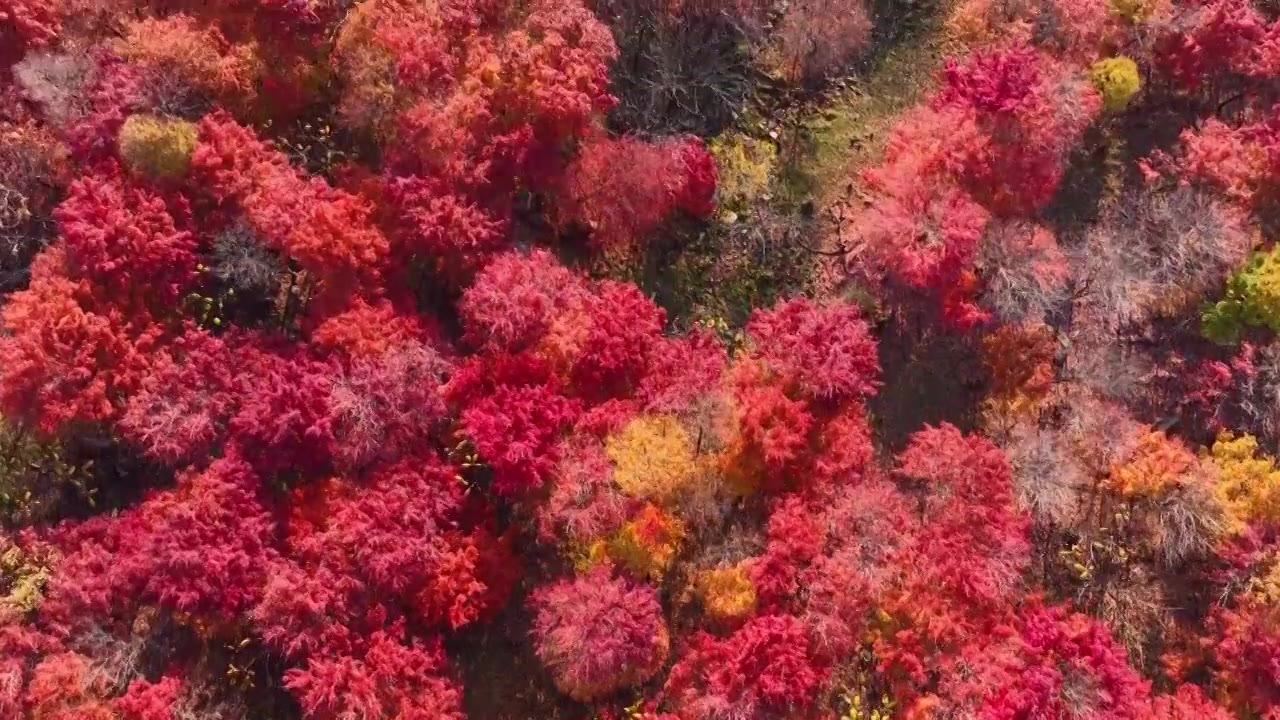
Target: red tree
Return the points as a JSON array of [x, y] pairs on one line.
[[598, 634]]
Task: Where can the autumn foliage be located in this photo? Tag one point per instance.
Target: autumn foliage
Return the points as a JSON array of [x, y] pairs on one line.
[[409, 360]]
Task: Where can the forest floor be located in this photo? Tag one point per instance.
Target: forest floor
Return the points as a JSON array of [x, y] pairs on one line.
[[781, 243], [923, 381], [848, 128]]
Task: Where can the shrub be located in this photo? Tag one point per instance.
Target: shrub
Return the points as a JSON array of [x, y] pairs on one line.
[[1117, 81], [126, 238], [647, 544], [923, 238], [157, 147], [653, 458], [365, 331], [815, 38], [1073, 29], [392, 678], [1055, 661], [1245, 648], [515, 430], [58, 83], [1134, 11], [1222, 39], [23, 575], [515, 300], [823, 352], [63, 362], [614, 352], [182, 407], [1048, 479], [1155, 254], [683, 66], [727, 594], [1233, 159], [622, 189], [1248, 482], [845, 451], [585, 506], [144, 700], [1155, 465], [178, 48], [201, 548], [683, 372], [763, 670], [1025, 275], [745, 167], [27, 24], [1020, 361], [1187, 702], [240, 261], [1252, 297], [597, 634], [772, 432], [282, 418], [969, 500], [384, 405]]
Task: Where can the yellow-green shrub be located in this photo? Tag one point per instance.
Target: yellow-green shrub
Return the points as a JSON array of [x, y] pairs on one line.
[[585, 557], [1133, 10], [157, 147], [1252, 297], [744, 165], [653, 458], [22, 577], [1248, 482], [727, 594], [1117, 81]]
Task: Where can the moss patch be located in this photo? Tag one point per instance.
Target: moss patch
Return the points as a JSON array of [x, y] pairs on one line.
[[849, 129]]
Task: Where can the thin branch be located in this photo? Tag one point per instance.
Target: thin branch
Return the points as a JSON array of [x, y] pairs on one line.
[[814, 251], [1222, 105]]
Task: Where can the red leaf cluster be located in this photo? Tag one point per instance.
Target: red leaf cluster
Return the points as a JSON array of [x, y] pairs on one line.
[[993, 141], [798, 394], [27, 24], [125, 239], [63, 358], [1216, 39], [201, 548], [328, 231], [622, 209], [597, 634], [322, 389], [765, 668]]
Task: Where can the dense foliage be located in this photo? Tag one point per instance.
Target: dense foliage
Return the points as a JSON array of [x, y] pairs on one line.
[[348, 367]]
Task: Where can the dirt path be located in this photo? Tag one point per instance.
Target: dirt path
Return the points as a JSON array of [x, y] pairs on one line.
[[849, 133]]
